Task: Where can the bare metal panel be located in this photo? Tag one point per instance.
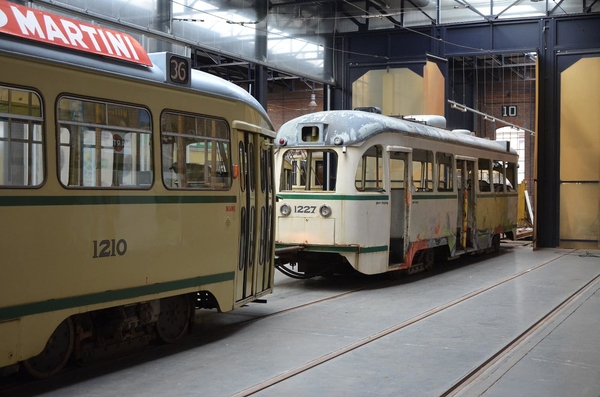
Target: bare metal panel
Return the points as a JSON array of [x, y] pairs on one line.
[[433, 89], [396, 91]]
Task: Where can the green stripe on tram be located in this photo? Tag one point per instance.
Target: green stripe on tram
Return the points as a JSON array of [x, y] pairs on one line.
[[367, 250], [28, 309], [348, 197], [302, 196], [338, 249], [29, 201]]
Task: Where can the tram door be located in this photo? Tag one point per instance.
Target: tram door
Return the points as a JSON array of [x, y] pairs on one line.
[[253, 273], [465, 172], [264, 206], [399, 198]]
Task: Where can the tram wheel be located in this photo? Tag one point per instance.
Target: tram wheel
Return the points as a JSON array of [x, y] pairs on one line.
[[496, 243], [428, 258], [396, 274], [174, 319], [55, 355]]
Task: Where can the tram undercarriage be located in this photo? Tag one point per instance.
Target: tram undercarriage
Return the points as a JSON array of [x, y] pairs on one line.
[[110, 332], [296, 263], [304, 265]]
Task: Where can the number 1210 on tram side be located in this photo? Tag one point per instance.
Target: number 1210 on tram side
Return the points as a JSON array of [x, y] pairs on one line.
[[133, 190]]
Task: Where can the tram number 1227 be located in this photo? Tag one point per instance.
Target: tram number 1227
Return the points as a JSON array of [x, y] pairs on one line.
[[305, 209]]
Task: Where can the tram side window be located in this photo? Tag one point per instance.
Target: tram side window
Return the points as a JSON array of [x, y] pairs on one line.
[[104, 145], [21, 142], [502, 174], [423, 170], [484, 166], [511, 176], [309, 170], [195, 152], [445, 172], [369, 173]]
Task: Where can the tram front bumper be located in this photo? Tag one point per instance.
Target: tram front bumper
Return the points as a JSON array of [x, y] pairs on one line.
[[303, 230]]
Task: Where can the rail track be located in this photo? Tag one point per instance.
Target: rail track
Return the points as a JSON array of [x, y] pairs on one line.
[[463, 383], [357, 287], [12, 382]]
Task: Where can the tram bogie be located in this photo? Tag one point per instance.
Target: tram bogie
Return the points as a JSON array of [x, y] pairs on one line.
[[388, 194], [129, 195]]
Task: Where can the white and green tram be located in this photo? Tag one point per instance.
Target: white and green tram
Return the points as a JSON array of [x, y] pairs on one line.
[[382, 194]]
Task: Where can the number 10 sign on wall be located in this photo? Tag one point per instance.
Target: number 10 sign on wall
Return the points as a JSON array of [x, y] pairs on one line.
[[509, 110]]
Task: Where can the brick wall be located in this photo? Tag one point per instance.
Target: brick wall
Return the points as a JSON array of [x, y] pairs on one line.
[[285, 102], [501, 99]]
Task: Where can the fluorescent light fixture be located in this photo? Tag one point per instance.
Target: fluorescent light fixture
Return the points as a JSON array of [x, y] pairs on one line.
[[458, 107], [464, 108], [313, 103]]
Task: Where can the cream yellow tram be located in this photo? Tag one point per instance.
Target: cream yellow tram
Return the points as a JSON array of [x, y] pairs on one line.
[[383, 194], [132, 191]]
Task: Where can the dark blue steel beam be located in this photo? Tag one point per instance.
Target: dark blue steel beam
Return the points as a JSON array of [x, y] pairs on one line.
[[558, 41]]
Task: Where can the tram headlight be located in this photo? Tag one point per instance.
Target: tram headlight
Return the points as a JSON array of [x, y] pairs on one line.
[[325, 211], [285, 210]]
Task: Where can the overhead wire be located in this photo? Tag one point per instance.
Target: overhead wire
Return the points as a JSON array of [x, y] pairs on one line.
[[367, 14]]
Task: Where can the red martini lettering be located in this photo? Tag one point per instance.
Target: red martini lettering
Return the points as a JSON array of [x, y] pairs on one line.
[[49, 28]]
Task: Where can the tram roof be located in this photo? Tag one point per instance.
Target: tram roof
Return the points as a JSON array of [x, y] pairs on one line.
[[201, 82], [356, 126]]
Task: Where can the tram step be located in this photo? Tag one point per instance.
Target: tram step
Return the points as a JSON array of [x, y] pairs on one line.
[[394, 266]]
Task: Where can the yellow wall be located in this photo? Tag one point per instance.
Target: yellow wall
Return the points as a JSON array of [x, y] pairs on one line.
[[580, 154], [401, 91], [434, 89]]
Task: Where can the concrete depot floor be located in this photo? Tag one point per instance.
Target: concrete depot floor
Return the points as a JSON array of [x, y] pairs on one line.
[[227, 354]]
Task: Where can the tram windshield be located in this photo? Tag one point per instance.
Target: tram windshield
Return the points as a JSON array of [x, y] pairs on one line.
[[311, 170]]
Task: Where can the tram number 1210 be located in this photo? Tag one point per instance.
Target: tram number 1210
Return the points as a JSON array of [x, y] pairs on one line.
[[106, 248]]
